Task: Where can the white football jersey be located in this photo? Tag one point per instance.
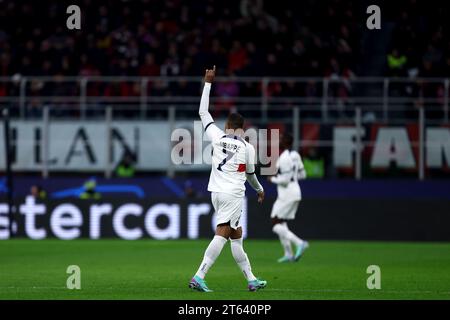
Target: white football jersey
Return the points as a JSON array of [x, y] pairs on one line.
[[232, 157], [290, 169]]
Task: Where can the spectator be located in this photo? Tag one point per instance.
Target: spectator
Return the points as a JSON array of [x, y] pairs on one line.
[[90, 192], [314, 164], [237, 58], [149, 68], [38, 193], [125, 168], [396, 63], [226, 90]]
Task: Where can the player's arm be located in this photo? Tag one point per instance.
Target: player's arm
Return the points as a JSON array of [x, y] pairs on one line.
[[211, 129], [284, 175], [251, 174], [301, 169]]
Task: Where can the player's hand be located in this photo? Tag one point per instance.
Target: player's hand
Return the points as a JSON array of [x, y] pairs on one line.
[[210, 74], [260, 197], [269, 178]]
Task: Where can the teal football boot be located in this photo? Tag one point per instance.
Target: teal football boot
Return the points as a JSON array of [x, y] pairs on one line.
[[300, 250], [199, 284], [256, 284]]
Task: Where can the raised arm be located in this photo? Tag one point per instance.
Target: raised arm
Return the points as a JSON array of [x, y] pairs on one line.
[[203, 111]]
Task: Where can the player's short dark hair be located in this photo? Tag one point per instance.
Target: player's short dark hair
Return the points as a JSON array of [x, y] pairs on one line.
[[287, 140], [235, 121]]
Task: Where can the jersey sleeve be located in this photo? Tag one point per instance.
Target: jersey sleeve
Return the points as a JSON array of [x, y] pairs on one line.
[[211, 129], [250, 161], [250, 169], [213, 132], [284, 172], [301, 169]]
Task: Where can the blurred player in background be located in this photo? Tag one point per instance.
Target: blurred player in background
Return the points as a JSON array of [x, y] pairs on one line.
[[290, 170], [233, 163]]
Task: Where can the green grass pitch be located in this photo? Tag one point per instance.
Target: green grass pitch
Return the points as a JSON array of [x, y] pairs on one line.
[[148, 269]]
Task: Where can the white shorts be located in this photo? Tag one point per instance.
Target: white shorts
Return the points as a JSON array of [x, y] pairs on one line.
[[228, 208], [284, 210]]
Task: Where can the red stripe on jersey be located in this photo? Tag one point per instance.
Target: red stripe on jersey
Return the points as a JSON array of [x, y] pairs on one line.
[[242, 167]]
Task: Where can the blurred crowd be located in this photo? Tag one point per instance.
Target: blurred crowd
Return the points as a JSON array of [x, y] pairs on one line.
[[173, 37], [243, 38], [420, 48], [420, 43]]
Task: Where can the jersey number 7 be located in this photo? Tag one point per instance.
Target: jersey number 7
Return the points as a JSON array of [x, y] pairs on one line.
[[227, 158]]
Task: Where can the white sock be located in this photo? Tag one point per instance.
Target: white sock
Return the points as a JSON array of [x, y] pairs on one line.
[[285, 242], [288, 234], [212, 252], [241, 259], [291, 236]]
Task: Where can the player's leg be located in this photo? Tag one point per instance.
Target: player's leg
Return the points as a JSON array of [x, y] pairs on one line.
[[211, 253], [239, 254], [285, 242], [242, 260], [278, 211], [299, 243], [213, 250]]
